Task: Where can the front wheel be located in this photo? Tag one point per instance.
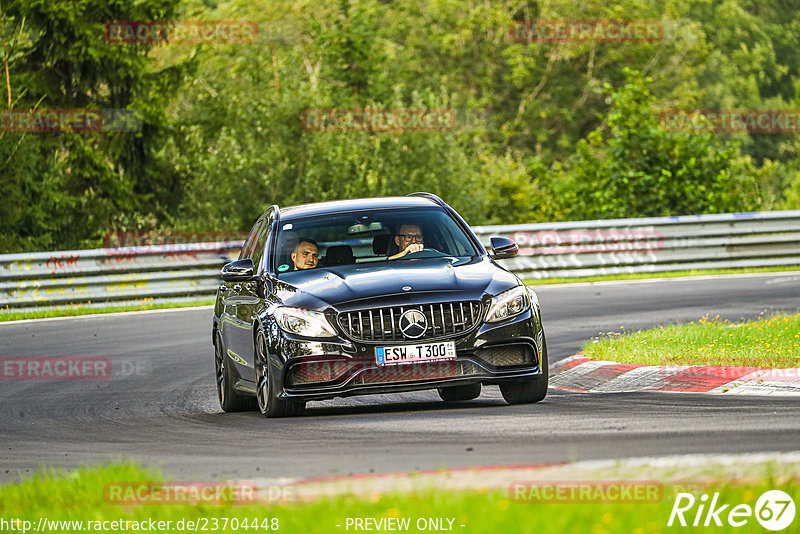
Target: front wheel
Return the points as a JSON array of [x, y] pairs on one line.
[[229, 399], [268, 402], [531, 390]]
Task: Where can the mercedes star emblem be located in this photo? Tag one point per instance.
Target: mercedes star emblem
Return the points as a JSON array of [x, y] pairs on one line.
[[413, 324]]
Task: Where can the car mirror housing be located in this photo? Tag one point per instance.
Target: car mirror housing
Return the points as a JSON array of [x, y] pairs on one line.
[[503, 247], [238, 271]]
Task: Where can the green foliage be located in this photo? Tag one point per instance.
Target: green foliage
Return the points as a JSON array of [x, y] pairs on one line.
[[65, 190], [238, 133], [792, 201], [631, 167], [511, 194], [545, 131]]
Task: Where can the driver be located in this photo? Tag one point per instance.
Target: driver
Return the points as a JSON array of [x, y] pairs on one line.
[[408, 240]]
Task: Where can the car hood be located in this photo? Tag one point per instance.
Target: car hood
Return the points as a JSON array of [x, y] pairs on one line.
[[351, 285]]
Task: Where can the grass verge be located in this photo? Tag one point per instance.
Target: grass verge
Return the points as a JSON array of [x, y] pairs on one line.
[[69, 312], [771, 342], [83, 497], [644, 276]]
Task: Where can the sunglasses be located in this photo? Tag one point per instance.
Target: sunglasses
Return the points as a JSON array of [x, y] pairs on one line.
[[410, 237]]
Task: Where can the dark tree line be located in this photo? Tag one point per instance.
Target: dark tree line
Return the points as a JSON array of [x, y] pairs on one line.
[[543, 130]]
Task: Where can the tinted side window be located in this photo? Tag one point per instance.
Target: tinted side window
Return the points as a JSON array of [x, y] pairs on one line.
[[260, 244], [250, 242]]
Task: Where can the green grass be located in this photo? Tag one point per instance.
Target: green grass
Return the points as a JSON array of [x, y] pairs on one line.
[[68, 312], [80, 497], [772, 342], [643, 276]]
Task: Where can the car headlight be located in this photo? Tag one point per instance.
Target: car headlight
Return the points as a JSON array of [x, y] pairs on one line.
[[303, 322], [508, 304]]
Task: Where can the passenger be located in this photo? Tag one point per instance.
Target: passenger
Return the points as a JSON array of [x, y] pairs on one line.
[[408, 240], [305, 255]]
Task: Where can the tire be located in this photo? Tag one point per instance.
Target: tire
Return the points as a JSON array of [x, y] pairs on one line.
[[229, 399], [268, 402], [531, 390], [460, 393]]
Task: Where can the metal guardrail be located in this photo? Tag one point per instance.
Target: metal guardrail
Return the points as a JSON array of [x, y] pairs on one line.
[[652, 245], [179, 273], [112, 276]]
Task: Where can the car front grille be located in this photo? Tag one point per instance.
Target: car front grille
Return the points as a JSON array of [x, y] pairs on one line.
[[417, 372], [312, 373], [383, 324]]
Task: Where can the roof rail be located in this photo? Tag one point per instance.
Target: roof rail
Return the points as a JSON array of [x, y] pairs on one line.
[[427, 195]]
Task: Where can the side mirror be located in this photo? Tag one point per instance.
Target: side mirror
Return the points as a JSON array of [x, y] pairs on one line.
[[238, 271], [502, 248]]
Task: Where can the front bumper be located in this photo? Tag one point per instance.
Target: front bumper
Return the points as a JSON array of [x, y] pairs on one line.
[[490, 354]]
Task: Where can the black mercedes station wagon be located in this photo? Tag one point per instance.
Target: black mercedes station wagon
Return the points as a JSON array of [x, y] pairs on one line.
[[378, 295]]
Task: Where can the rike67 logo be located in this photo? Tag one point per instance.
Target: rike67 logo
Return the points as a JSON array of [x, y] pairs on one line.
[[774, 510]]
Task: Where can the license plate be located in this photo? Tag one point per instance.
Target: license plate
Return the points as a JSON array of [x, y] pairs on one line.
[[427, 352]]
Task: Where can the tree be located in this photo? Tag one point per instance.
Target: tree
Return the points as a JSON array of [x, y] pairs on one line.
[[633, 168], [96, 182]]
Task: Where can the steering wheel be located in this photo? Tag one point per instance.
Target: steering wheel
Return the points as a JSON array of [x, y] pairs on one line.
[[424, 250]]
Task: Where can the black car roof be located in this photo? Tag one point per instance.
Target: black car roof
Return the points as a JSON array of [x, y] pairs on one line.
[[339, 206]]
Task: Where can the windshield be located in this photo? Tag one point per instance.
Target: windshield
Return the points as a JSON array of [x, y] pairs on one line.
[[365, 236]]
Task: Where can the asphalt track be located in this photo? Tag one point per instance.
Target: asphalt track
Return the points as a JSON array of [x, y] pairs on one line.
[[159, 406]]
